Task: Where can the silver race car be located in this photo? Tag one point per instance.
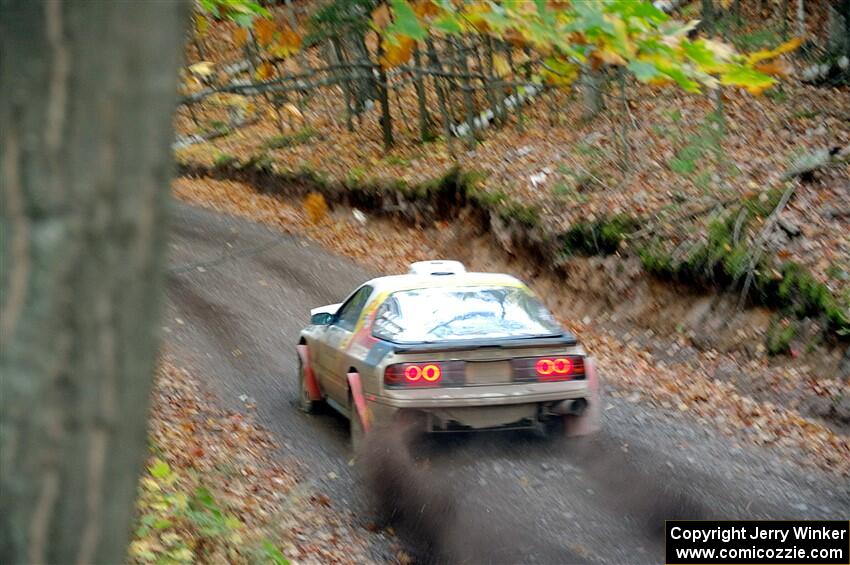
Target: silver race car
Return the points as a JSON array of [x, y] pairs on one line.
[[455, 350]]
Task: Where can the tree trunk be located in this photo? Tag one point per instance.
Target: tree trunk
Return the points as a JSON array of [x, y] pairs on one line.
[[468, 103], [516, 93], [593, 84], [421, 98], [89, 92], [446, 118], [343, 73], [784, 9], [384, 95], [801, 18], [708, 16], [498, 92]]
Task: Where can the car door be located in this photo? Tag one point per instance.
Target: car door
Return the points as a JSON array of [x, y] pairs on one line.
[[336, 339]]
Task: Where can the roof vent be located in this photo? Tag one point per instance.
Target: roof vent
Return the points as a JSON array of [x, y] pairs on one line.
[[436, 268]]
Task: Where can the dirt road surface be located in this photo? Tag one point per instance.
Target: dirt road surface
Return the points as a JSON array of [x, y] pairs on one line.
[[238, 294]]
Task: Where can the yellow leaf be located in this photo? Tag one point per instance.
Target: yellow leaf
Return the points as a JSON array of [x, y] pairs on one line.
[[765, 54], [184, 554], [473, 15], [290, 38], [228, 100], [558, 79], [559, 71], [288, 43], [316, 207], [756, 90], [202, 68], [501, 66], [264, 30], [240, 36], [397, 53], [775, 68], [142, 550], [202, 24], [424, 8], [620, 41], [264, 71]]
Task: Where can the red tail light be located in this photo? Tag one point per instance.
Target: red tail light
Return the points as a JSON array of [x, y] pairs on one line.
[[559, 366], [564, 368], [413, 374]]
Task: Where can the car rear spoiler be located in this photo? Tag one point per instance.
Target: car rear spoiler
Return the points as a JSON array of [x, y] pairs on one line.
[[430, 347]]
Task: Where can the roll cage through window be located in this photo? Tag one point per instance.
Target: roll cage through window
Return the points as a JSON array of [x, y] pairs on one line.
[[463, 312]]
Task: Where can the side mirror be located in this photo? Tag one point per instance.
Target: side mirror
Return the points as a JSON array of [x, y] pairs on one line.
[[321, 319]]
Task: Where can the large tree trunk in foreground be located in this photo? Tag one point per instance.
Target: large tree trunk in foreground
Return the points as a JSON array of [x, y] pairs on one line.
[[88, 93]]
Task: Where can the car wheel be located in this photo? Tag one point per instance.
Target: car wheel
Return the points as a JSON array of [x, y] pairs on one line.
[[304, 402]]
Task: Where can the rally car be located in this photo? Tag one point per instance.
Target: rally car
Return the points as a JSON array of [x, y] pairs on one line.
[[455, 349]]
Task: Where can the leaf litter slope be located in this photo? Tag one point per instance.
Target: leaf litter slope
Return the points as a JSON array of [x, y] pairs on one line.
[[214, 489]]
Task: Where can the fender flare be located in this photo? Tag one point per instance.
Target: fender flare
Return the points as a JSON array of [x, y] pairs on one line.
[[313, 390], [356, 387]]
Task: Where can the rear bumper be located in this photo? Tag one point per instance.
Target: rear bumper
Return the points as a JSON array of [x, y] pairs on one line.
[[481, 396], [481, 407]]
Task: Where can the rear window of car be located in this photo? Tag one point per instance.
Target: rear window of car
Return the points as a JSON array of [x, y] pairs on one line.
[[459, 313]]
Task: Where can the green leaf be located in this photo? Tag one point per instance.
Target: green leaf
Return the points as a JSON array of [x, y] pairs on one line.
[[448, 24], [162, 523], [750, 79], [682, 166], [205, 497], [159, 469], [648, 11], [182, 555], [589, 17], [210, 7], [496, 20], [682, 79], [643, 70], [546, 15], [406, 23], [244, 20], [700, 54], [274, 554]]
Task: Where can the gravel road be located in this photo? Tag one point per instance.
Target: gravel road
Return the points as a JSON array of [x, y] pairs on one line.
[[238, 294]]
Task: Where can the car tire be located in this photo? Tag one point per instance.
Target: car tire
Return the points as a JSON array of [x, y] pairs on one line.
[[305, 403]]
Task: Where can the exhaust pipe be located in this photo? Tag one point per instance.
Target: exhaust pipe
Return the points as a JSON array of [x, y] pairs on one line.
[[575, 407]]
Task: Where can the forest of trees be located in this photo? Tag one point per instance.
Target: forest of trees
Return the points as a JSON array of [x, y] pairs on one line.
[[482, 63]]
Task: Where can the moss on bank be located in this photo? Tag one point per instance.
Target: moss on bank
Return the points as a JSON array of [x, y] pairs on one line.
[[716, 262], [602, 237]]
